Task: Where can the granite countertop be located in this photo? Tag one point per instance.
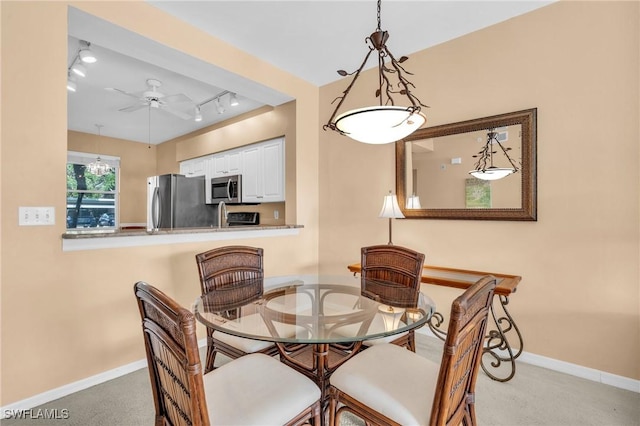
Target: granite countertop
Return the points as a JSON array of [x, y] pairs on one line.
[[111, 233]]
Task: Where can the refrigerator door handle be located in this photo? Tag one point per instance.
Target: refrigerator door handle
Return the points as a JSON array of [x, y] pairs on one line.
[[155, 208]]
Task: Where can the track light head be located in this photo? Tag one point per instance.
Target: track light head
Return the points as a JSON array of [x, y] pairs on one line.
[[85, 53], [233, 101], [219, 106], [198, 116], [79, 69]]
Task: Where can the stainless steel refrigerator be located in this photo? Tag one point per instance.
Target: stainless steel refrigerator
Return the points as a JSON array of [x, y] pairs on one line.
[[177, 201]]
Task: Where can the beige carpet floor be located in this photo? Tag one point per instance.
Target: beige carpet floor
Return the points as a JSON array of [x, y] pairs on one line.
[[535, 396]]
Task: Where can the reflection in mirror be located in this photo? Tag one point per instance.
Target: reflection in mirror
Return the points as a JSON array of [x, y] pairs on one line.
[[433, 170]]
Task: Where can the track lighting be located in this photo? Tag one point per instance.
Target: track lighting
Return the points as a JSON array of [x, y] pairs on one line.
[[79, 69], [71, 84], [219, 106], [85, 53], [232, 101]]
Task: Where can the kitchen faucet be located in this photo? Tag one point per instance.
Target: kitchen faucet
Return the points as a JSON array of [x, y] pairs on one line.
[[221, 207]]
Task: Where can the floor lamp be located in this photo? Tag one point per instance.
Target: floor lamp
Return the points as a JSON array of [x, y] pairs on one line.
[[391, 209]]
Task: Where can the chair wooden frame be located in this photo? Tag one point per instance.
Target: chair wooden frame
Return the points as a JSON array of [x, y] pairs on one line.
[[397, 264], [173, 358], [454, 398], [223, 267], [174, 363]]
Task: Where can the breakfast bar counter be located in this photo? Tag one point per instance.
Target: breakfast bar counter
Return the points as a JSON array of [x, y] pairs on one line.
[[97, 239]]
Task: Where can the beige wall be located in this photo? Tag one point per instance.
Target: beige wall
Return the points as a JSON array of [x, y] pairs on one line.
[[68, 316], [577, 62], [138, 161]]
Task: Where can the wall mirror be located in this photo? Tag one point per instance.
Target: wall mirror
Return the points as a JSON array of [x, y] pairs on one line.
[[433, 164]]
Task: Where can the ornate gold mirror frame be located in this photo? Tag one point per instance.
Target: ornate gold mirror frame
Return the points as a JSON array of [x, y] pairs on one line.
[[527, 211]]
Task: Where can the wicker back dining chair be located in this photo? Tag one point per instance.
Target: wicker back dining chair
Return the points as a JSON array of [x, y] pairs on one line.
[[183, 396], [399, 265], [225, 267], [389, 385]]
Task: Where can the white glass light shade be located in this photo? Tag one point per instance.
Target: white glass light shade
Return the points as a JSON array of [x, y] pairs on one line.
[[413, 202], [379, 124], [87, 56], [198, 115], [491, 173], [233, 101], [390, 316], [79, 69], [71, 85], [390, 207]]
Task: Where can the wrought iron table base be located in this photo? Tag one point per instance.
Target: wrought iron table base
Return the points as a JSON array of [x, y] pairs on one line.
[[497, 348]]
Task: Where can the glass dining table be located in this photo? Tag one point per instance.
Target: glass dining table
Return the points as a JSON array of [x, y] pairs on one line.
[[317, 322]]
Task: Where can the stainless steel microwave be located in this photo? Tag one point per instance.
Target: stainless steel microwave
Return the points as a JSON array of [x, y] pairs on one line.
[[227, 189]]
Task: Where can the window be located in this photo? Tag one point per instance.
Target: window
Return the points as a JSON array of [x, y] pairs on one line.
[[92, 201]]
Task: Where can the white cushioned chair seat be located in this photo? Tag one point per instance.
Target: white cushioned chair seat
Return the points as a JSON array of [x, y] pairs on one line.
[[257, 390], [392, 380]]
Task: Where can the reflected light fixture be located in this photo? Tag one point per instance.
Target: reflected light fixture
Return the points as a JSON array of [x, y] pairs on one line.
[[386, 122], [413, 202], [391, 210], [98, 167], [391, 316], [484, 168]]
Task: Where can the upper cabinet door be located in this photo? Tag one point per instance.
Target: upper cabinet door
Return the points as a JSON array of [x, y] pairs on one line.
[[193, 167], [263, 172]]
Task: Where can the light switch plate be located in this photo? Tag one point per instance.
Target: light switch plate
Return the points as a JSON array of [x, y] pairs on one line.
[[35, 216]]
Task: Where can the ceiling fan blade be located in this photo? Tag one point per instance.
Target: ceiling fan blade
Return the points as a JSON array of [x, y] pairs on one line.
[[113, 89], [177, 98], [177, 113], [132, 108]]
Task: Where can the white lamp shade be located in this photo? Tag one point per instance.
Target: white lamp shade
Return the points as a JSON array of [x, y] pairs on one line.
[[491, 173], [233, 101], [379, 124], [390, 207], [413, 202], [71, 85]]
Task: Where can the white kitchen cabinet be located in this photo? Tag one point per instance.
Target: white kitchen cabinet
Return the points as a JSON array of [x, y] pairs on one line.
[[263, 172], [227, 163], [193, 167]]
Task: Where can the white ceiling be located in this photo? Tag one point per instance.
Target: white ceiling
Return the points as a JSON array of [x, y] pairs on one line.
[[310, 39]]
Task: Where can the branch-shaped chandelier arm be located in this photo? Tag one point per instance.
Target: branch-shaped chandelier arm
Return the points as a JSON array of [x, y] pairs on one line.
[[507, 155], [331, 124], [385, 122]]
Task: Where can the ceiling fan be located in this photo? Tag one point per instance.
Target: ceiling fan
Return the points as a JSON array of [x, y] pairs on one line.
[[154, 99]]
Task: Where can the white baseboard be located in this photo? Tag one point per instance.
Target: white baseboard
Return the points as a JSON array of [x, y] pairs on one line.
[[568, 368], [538, 360], [65, 390]]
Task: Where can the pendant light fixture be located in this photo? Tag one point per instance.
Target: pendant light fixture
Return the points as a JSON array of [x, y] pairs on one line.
[[98, 167], [386, 122], [484, 168]]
